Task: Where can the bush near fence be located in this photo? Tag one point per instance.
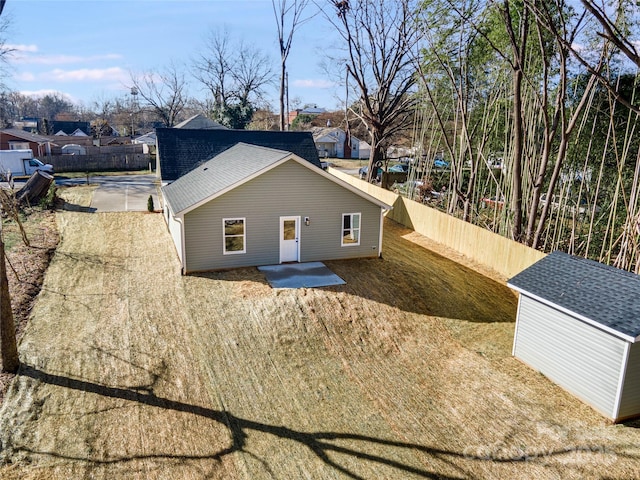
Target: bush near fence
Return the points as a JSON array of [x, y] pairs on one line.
[[499, 253], [99, 162]]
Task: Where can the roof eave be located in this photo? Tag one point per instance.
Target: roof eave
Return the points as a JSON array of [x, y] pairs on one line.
[[285, 158], [587, 320]]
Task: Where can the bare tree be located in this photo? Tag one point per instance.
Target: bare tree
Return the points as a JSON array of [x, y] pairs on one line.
[[212, 67], [251, 73], [163, 91], [234, 74], [379, 40], [289, 17]]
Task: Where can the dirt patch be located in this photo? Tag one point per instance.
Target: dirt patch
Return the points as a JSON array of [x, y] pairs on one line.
[[132, 371], [26, 266]]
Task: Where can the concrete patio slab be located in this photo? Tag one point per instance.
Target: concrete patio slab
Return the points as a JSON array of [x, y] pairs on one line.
[[300, 275]]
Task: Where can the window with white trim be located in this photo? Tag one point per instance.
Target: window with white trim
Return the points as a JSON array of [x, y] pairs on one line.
[[234, 235], [350, 229]]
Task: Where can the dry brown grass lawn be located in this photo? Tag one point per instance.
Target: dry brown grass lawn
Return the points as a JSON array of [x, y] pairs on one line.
[[132, 371]]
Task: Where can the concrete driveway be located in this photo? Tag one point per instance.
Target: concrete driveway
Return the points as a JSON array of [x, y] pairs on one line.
[[118, 193]]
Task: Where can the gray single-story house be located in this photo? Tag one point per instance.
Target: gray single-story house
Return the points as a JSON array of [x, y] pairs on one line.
[[252, 205], [578, 323]]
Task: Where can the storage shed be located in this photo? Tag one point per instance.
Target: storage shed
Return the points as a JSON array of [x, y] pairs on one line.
[[253, 206], [578, 323]]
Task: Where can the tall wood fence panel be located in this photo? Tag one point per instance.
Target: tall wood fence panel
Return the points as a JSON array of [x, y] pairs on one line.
[[98, 162], [501, 254]]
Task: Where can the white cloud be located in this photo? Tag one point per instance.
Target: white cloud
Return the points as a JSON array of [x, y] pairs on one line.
[[21, 48], [313, 83], [45, 91], [87, 74], [61, 59]]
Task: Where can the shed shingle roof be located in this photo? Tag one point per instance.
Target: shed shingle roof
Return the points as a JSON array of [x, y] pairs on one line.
[[598, 293], [182, 150]]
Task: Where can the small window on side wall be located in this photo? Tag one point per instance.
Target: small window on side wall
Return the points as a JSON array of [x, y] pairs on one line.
[[234, 233], [350, 229]]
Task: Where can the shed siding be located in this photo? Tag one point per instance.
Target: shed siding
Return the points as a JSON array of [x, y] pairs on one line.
[[582, 359], [630, 402], [287, 190]]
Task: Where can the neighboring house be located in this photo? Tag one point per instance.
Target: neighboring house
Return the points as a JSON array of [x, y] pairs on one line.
[[78, 133], [181, 150], [333, 142], [313, 110], [148, 142], [77, 129], [28, 124], [200, 122], [15, 139], [364, 150], [578, 323], [251, 206]]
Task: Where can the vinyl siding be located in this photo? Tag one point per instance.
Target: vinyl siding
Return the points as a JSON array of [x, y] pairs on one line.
[[580, 358], [287, 190], [175, 228], [630, 403]]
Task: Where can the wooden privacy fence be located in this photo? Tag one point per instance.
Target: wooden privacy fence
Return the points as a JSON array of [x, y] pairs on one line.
[[98, 162], [501, 254]]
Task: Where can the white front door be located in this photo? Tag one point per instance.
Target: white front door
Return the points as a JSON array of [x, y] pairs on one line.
[[289, 239]]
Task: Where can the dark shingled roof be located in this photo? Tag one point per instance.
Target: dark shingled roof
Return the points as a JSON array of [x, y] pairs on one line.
[[221, 172], [182, 150], [602, 294], [69, 127]]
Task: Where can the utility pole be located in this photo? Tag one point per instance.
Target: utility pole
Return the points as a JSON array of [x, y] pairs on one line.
[[287, 90]]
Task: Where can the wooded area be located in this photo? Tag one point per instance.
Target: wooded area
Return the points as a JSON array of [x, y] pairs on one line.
[[534, 107]]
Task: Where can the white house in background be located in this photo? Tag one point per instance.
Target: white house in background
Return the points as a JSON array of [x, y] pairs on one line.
[[365, 150], [330, 142], [148, 141]]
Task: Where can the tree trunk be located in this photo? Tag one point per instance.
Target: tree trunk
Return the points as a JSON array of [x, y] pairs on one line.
[[518, 148], [9, 360], [376, 156]]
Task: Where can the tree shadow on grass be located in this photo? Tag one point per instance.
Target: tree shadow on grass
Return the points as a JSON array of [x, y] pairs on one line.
[[320, 443], [72, 207], [415, 279]]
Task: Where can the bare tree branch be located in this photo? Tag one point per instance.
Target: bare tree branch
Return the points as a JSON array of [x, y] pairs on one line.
[[163, 91]]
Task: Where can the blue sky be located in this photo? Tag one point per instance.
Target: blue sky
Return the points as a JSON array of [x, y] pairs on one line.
[[86, 49]]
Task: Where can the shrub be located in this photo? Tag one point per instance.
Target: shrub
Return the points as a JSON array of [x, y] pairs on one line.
[[150, 205]]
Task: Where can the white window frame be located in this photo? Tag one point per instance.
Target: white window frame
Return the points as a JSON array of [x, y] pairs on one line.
[[358, 229], [225, 236]]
